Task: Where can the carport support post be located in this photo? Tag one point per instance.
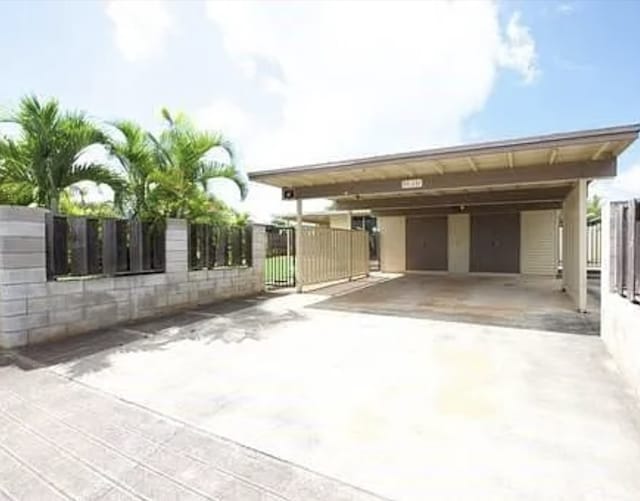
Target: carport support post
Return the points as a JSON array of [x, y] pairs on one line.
[[299, 249], [582, 245]]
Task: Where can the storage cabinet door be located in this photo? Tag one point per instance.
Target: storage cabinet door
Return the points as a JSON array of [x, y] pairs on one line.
[[495, 243], [426, 243]]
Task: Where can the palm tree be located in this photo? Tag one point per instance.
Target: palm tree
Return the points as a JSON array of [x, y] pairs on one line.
[[183, 155], [168, 175], [134, 151], [594, 208], [47, 156]]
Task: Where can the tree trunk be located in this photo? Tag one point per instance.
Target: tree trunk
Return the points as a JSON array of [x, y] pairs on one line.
[[55, 203]]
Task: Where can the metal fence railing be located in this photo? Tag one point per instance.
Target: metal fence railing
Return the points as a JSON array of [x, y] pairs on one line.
[[280, 263], [625, 249], [594, 244], [82, 246], [213, 246]]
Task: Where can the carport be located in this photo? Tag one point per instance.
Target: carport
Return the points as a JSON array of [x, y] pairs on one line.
[[487, 208]]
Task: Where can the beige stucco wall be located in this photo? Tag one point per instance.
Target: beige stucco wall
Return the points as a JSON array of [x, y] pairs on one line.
[[340, 221], [392, 243], [459, 243], [538, 242], [574, 258], [619, 316]]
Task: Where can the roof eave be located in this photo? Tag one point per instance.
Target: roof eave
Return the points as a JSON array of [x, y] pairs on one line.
[[619, 133]]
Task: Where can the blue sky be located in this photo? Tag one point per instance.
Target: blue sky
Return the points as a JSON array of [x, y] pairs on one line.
[[300, 82]]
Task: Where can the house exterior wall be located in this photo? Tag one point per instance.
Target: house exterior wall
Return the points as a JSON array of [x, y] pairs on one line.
[[392, 243], [459, 243], [340, 221], [619, 317], [34, 310], [538, 242], [574, 257]]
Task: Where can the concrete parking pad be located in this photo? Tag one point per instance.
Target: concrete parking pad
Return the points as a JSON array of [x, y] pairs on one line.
[[528, 302], [404, 406]]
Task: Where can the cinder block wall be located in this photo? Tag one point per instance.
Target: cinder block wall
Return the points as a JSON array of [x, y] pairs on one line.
[[619, 317], [33, 310]]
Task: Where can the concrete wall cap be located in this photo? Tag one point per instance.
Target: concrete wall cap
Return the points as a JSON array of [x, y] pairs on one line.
[[24, 208]]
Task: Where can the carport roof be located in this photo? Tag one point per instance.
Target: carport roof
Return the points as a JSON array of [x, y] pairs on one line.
[[552, 160], [324, 217]]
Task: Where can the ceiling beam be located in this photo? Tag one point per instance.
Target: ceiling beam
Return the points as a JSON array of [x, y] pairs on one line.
[[474, 209], [406, 170], [459, 180], [472, 164], [545, 194], [600, 151]]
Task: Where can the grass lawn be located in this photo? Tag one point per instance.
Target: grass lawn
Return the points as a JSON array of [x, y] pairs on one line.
[[279, 268]]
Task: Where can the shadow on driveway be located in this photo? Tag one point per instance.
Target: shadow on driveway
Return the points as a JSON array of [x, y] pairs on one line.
[[210, 323]]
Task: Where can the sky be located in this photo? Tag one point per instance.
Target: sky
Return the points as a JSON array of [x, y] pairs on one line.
[[301, 82]]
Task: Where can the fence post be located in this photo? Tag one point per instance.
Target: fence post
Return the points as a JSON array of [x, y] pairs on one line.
[[350, 255], [206, 245], [257, 250], [122, 246], [631, 239], [192, 245], [49, 242], [109, 247], [23, 275], [221, 249], [176, 246], [299, 247], [135, 245], [79, 257], [248, 244], [636, 264], [94, 250]]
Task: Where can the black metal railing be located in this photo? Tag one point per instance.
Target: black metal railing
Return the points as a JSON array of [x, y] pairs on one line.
[[213, 246], [280, 262], [82, 246]]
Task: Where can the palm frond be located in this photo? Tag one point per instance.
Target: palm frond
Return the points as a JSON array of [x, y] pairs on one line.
[[212, 170], [97, 174]]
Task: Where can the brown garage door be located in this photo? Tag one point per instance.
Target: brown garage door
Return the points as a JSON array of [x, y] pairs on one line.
[[426, 239], [495, 243]]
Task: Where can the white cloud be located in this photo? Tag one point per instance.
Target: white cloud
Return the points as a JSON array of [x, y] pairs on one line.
[[141, 27], [518, 51], [565, 7], [366, 78], [225, 116], [624, 186]]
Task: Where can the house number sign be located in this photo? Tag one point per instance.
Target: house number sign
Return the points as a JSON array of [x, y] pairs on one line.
[[411, 184]]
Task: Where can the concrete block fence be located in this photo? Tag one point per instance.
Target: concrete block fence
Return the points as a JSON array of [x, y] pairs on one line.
[[619, 316], [33, 310]]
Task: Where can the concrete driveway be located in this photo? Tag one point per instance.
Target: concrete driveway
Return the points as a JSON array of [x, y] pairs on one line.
[[400, 404]]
